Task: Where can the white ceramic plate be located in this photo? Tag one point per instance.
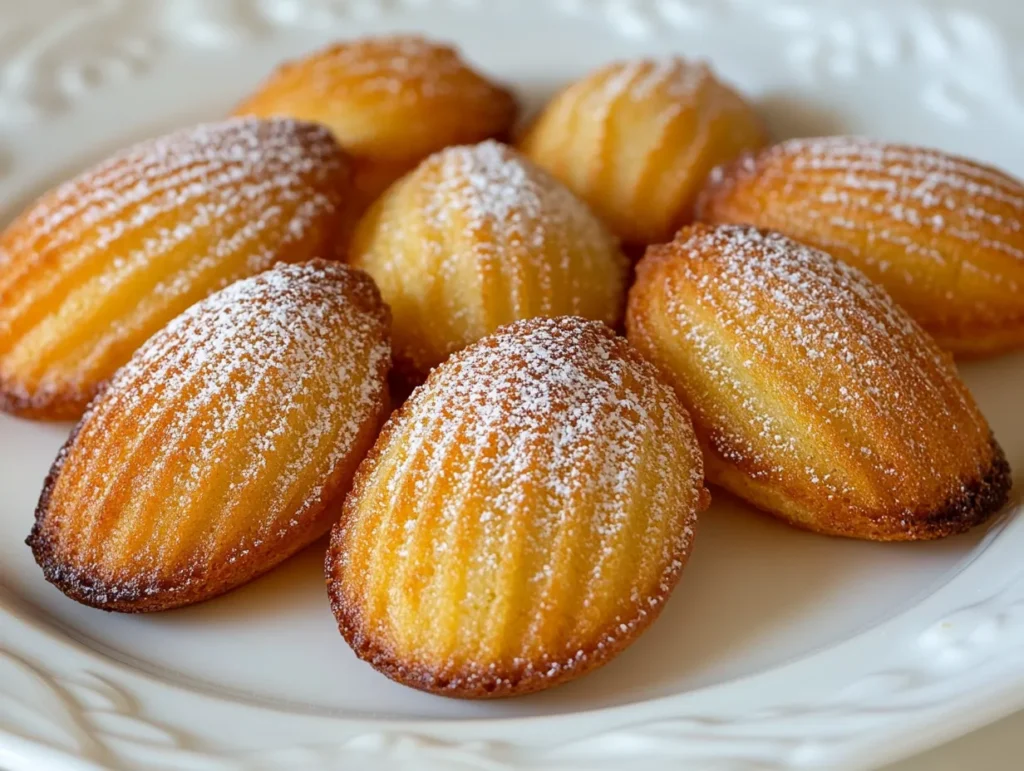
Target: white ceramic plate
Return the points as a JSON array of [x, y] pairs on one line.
[[779, 649]]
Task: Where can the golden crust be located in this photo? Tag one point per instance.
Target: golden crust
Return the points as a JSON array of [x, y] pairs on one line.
[[942, 234], [978, 499], [636, 140], [390, 101], [814, 395], [96, 266], [223, 447], [521, 519], [477, 237]]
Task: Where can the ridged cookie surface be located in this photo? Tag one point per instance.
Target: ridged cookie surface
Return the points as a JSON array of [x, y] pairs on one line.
[[943, 235], [815, 396], [636, 140], [523, 517], [390, 101], [95, 267], [477, 237], [224, 446]]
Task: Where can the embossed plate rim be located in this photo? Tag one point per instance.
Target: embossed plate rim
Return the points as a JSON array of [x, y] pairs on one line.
[[91, 712]]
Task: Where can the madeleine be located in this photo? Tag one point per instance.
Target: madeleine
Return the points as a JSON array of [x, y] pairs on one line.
[[815, 396], [523, 517], [636, 139], [477, 237], [390, 101], [942, 234], [90, 271], [223, 447]]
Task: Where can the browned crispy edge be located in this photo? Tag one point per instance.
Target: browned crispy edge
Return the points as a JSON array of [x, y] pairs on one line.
[[319, 510], [979, 499], [194, 585], [498, 683], [68, 404]]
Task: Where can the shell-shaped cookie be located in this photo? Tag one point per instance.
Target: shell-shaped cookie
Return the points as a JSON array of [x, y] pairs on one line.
[[522, 518], [224, 446], [477, 237], [95, 267], [390, 101], [943, 235], [636, 140], [815, 396]]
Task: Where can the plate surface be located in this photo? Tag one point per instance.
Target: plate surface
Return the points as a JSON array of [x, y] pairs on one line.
[[779, 649]]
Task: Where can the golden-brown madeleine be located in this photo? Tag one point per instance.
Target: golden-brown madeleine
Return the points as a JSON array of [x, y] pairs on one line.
[[636, 140], [390, 101], [814, 395], [477, 237], [224, 446], [522, 518], [95, 267], [943, 235]]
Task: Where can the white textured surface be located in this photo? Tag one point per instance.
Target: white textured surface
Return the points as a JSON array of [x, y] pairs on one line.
[[997, 747], [849, 654]]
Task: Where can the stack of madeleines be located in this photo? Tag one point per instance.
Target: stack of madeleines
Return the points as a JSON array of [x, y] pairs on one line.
[[227, 309]]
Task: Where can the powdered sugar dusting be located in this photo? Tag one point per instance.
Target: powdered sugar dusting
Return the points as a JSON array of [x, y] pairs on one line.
[[242, 163], [252, 398], [929, 168], [944, 209], [489, 184], [485, 211], [545, 467], [490, 188], [151, 231], [802, 368]]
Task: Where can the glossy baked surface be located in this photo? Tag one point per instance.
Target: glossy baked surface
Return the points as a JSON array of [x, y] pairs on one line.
[[477, 237], [390, 101], [814, 395], [522, 518], [224, 445], [943, 235], [636, 140], [90, 271]]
